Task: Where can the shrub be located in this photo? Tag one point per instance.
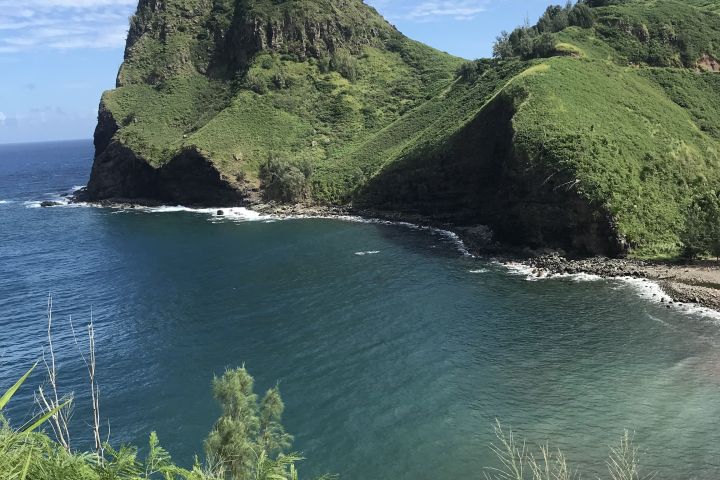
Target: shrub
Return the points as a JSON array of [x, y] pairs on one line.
[[581, 16], [701, 234], [283, 181], [256, 83], [345, 64], [543, 46], [468, 71]]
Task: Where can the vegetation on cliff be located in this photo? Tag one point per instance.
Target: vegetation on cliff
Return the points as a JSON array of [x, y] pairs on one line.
[[592, 130]]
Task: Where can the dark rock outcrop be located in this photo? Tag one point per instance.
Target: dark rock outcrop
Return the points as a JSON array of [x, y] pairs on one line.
[[188, 178]]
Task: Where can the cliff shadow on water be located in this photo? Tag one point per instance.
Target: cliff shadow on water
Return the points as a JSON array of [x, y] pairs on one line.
[[479, 177]]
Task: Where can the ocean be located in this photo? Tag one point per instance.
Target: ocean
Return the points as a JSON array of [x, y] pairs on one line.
[[395, 350]]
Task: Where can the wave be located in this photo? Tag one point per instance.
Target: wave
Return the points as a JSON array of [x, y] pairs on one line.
[[6, 202], [59, 199], [643, 287], [237, 214], [652, 291]]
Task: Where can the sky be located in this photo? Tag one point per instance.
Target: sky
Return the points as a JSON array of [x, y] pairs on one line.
[[58, 56]]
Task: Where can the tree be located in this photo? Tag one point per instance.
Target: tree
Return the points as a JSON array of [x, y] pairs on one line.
[[502, 48], [284, 181], [581, 16], [701, 234], [543, 46], [715, 248], [554, 19], [247, 433]]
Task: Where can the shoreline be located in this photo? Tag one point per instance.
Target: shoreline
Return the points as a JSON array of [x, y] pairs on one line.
[[684, 283]]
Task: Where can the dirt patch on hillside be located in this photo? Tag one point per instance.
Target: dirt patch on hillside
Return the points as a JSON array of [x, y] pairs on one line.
[[708, 63]]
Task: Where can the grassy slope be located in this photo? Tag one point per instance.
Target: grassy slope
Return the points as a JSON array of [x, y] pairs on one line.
[[638, 138], [304, 112]]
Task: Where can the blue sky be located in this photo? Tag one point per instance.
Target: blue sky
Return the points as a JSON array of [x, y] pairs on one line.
[[58, 56]]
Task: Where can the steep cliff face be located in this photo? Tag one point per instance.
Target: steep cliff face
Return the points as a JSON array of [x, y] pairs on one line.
[[186, 61], [220, 37]]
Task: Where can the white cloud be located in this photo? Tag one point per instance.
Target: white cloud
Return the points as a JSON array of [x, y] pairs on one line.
[[430, 10], [63, 24], [77, 3], [455, 9], [2, 119]]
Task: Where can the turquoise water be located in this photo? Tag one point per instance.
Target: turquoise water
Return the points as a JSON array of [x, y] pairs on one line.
[[393, 364]]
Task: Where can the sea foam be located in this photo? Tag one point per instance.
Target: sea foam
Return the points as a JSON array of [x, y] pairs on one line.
[[643, 287]]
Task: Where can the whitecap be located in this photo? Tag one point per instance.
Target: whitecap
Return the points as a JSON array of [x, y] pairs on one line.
[[533, 274], [520, 269], [653, 292], [239, 214], [216, 214], [369, 252], [479, 270]]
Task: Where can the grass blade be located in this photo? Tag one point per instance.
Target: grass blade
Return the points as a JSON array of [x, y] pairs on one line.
[[27, 465], [45, 418], [9, 394]]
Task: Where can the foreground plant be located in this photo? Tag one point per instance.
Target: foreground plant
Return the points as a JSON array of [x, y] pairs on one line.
[[517, 462], [247, 443]]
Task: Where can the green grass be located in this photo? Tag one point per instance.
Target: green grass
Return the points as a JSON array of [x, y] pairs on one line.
[[663, 33], [299, 110], [629, 145], [637, 142]]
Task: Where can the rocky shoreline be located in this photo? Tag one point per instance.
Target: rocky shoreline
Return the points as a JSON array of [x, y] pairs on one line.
[[697, 282], [684, 283]]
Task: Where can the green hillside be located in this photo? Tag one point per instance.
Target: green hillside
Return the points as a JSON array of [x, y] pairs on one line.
[[597, 121], [591, 131]]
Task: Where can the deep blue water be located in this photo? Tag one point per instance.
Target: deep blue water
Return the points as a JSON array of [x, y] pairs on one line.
[[392, 364]]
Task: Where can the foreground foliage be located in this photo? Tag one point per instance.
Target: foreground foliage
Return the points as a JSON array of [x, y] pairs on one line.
[[518, 462], [247, 442]]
